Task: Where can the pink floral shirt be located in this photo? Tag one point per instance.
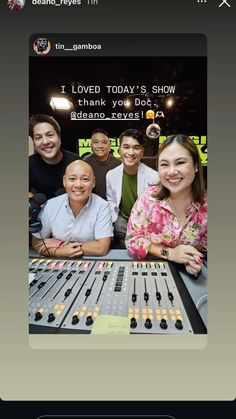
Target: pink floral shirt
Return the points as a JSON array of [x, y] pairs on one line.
[[153, 221]]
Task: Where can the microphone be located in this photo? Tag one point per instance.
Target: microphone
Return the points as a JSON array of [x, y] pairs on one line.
[[35, 202], [35, 225]]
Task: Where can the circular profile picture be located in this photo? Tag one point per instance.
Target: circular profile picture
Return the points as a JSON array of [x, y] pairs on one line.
[[15, 5], [42, 46]]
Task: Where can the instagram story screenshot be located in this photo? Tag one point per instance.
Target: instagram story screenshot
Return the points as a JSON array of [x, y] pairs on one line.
[[118, 212]]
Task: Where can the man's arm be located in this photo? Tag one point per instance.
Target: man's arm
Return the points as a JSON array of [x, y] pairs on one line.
[[57, 248], [99, 247], [45, 247]]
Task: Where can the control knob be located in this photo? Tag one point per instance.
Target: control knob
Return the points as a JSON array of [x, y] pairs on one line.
[[148, 323], [133, 323], [163, 324]]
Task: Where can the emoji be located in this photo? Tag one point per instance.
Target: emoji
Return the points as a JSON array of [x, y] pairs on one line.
[[150, 114]]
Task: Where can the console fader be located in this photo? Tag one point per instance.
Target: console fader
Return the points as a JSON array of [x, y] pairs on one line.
[[67, 296], [55, 285]]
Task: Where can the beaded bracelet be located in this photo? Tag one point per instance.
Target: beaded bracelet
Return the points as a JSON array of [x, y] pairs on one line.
[[58, 244]]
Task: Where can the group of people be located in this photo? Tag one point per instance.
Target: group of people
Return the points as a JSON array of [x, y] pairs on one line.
[[118, 202]]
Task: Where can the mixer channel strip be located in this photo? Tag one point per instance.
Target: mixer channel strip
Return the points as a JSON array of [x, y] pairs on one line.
[[52, 291]]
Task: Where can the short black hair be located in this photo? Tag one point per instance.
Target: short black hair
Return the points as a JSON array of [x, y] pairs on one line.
[[134, 133], [101, 131], [41, 118]]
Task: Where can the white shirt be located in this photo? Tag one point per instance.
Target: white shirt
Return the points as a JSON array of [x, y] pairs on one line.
[[92, 223]]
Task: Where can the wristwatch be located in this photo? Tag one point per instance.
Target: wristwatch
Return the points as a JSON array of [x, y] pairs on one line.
[[164, 253]]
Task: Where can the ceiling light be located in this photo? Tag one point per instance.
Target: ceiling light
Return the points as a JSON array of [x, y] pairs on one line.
[[60, 103], [127, 103], [169, 102]]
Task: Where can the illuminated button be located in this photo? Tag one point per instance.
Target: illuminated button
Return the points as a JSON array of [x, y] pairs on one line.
[[144, 316], [144, 265], [58, 312], [136, 316], [89, 313], [95, 314], [53, 264], [177, 311], [152, 264], [179, 317], [150, 310], [61, 264], [130, 315], [34, 260], [84, 308], [97, 308], [164, 311], [79, 262], [130, 310], [62, 306], [110, 264], [172, 311], [56, 306], [41, 310], [165, 317], [151, 316], [136, 310], [82, 313], [144, 310], [173, 318], [158, 310], [100, 266], [158, 317], [76, 313], [135, 265]]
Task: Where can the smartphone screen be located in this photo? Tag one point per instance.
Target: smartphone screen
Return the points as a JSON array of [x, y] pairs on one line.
[[105, 311]]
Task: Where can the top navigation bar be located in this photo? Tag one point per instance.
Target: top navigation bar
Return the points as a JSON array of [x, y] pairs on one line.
[[140, 44]]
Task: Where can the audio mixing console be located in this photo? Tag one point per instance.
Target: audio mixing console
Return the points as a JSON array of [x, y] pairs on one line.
[[66, 296]]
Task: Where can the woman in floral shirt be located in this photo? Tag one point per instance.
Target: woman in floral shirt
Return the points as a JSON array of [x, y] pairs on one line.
[[169, 220]]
